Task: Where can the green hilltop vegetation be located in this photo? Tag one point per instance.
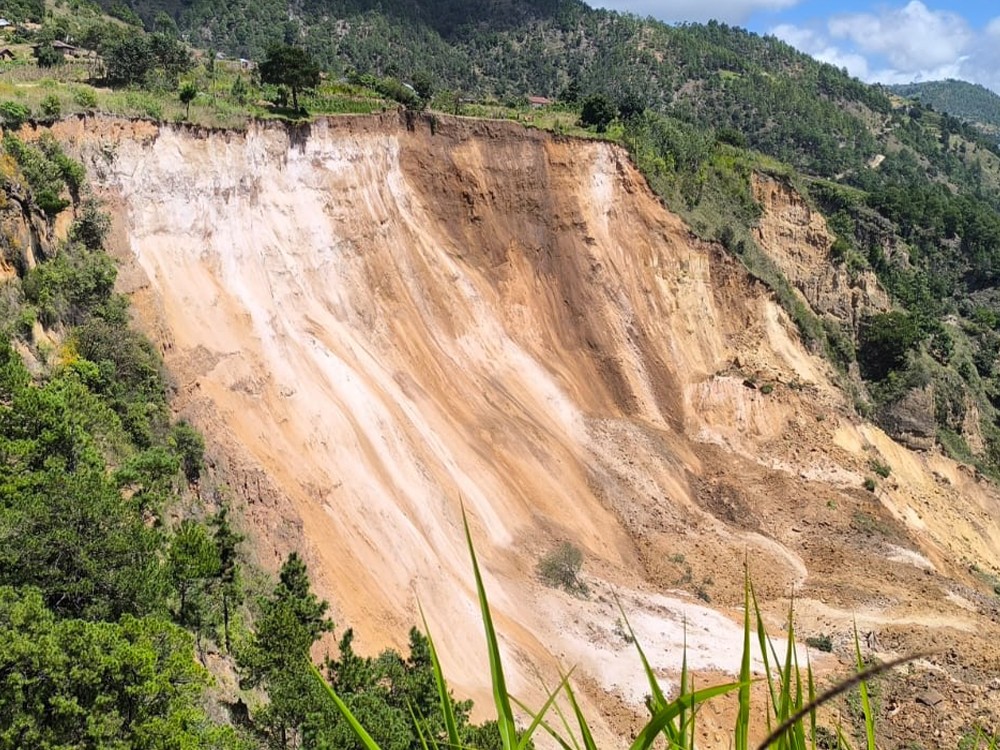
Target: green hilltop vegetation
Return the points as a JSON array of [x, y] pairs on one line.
[[120, 568], [961, 99]]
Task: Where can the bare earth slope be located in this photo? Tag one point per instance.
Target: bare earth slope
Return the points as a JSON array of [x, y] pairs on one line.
[[375, 323]]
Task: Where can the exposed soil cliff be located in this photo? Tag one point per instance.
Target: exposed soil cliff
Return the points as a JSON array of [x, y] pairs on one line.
[[797, 239], [375, 323]]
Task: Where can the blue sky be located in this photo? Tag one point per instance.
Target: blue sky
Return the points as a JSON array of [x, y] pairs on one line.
[[891, 41]]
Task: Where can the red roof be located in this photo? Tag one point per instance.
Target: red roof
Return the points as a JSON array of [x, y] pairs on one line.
[[539, 100]]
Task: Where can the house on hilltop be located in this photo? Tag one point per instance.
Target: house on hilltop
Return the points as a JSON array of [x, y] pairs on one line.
[[539, 101]]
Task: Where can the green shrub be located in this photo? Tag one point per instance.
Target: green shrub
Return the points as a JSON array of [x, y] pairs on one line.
[[91, 226], [731, 136], [839, 344], [52, 106], [882, 469], [47, 170], [135, 104], [239, 90], [13, 114], [71, 287], [597, 112], [189, 445], [85, 97], [840, 249], [883, 341], [50, 202], [25, 324], [870, 484], [561, 568], [187, 93], [820, 643], [47, 56]]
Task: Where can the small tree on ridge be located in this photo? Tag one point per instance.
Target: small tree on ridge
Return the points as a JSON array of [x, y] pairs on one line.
[[292, 67], [187, 93]]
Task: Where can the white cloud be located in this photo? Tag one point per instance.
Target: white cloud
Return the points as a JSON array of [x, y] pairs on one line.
[[729, 11], [897, 42], [901, 44], [816, 45], [912, 38]]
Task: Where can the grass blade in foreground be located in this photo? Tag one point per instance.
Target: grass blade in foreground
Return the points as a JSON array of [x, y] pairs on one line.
[[767, 651], [552, 732], [866, 706], [657, 699], [742, 733], [647, 735], [536, 719], [359, 731], [505, 716], [447, 709], [832, 693], [680, 737], [664, 714], [417, 725], [585, 733], [812, 702]]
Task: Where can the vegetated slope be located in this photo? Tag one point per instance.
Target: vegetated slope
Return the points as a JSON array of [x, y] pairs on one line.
[[99, 604], [376, 320], [715, 75], [968, 101]]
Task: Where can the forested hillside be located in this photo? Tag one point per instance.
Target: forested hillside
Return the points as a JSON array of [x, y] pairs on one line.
[[712, 75], [967, 101], [101, 599]]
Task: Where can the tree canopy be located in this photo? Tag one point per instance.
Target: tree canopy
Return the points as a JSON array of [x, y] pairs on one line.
[[76, 683], [290, 66]]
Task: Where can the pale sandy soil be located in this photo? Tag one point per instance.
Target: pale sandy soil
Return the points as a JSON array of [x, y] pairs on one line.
[[375, 325]]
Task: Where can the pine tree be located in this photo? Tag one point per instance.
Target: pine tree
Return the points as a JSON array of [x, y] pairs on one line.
[[290, 66], [226, 542], [277, 656], [295, 593], [193, 560]]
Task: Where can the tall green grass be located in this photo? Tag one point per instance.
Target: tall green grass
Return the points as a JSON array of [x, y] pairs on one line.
[[790, 690]]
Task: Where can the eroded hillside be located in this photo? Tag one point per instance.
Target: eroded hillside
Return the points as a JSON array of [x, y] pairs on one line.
[[376, 321]]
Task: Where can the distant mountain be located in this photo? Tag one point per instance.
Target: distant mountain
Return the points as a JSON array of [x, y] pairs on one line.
[[967, 101]]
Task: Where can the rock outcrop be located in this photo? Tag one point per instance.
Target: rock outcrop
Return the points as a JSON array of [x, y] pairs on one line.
[[797, 238]]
